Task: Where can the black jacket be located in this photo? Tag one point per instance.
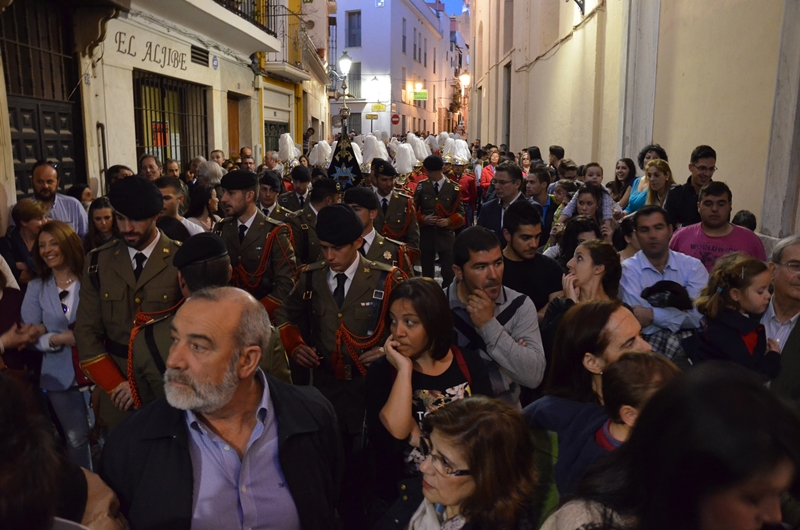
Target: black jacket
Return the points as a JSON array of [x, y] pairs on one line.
[[490, 217], [146, 460], [681, 203]]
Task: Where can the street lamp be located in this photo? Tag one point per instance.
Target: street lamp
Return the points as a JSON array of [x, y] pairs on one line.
[[464, 79], [344, 66]]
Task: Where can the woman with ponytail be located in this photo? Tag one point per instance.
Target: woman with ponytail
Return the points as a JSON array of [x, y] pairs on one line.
[[732, 303]]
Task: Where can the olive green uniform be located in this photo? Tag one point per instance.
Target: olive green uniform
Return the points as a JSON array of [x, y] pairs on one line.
[[392, 223], [303, 224], [385, 250], [151, 349], [110, 299], [435, 240], [278, 280], [279, 213], [290, 202]]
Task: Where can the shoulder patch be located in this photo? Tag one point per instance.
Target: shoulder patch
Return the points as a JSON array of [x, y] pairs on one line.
[[317, 265], [157, 320], [380, 266]]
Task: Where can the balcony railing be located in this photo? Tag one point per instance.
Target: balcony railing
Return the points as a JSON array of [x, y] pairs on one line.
[[260, 13]]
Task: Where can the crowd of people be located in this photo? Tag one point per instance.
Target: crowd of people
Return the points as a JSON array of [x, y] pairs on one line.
[[466, 338]]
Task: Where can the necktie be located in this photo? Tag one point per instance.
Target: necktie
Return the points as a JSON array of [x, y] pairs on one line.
[[362, 250], [384, 205], [436, 188], [338, 293], [302, 200], [140, 259], [242, 232]]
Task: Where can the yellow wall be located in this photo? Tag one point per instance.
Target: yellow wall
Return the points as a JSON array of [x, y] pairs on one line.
[[717, 64]]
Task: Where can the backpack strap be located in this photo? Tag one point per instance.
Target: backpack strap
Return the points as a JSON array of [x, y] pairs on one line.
[[152, 347], [506, 314], [462, 364]]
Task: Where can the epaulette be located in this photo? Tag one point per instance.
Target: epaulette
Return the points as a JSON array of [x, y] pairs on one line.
[[317, 265], [405, 196], [390, 240], [225, 220], [104, 246], [274, 221], [380, 266], [157, 320]]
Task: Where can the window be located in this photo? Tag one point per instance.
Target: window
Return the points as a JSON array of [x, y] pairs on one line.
[[354, 122], [434, 60], [434, 98], [415, 44], [354, 80], [404, 35], [403, 86], [426, 53], [353, 30]]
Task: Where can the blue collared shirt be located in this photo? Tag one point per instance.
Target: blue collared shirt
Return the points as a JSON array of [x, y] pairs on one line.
[[71, 211], [544, 206], [246, 494], [638, 274]]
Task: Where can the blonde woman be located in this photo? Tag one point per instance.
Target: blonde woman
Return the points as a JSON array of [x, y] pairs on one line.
[[659, 181]]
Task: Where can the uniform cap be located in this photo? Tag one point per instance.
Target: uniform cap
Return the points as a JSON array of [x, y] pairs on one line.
[[338, 224], [200, 248], [239, 180], [301, 173], [385, 168], [363, 197], [136, 198], [272, 179]]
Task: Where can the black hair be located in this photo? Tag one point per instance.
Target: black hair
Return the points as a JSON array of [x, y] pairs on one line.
[[648, 210], [534, 153], [172, 228], [714, 188], [745, 219], [662, 154], [541, 173], [521, 213], [320, 193], [163, 183], [625, 229], [569, 240], [597, 194], [76, 190], [112, 174], [512, 169], [557, 151], [473, 239], [702, 151], [93, 238], [433, 310], [198, 200], [212, 273]]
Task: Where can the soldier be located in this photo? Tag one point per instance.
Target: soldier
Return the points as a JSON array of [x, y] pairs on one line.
[[466, 181], [439, 213], [303, 223], [128, 281], [397, 217], [268, 192], [297, 198], [376, 247], [260, 249], [332, 327], [202, 263]]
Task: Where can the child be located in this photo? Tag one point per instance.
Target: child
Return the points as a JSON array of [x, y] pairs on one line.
[[628, 384], [593, 175], [736, 294]]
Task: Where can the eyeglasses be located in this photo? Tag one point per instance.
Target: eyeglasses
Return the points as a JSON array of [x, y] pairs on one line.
[[441, 465], [500, 182], [791, 266], [704, 169], [63, 296]]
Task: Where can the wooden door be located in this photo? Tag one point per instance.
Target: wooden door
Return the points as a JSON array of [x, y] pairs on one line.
[[233, 129]]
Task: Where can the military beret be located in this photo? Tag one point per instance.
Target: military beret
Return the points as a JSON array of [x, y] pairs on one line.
[[384, 168], [239, 180], [338, 224], [272, 179], [200, 248], [328, 185], [433, 163], [318, 172], [363, 197], [301, 173], [136, 198]]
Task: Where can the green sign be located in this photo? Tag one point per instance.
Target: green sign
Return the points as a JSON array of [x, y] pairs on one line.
[[421, 95]]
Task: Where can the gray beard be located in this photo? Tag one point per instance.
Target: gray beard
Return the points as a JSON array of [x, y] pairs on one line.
[[202, 398]]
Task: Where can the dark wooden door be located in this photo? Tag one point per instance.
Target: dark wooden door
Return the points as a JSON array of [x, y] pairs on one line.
[[43, 130], [272, 133]]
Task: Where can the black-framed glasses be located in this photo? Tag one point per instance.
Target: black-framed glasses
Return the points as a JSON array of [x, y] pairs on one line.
[[704, 169], [500, 182], [61, 297], [440, 464]]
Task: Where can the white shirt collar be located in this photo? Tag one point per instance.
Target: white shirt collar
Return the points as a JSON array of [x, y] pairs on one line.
[[249, 222], [313, 209], [368, 239], [147, 250], [350, 272]]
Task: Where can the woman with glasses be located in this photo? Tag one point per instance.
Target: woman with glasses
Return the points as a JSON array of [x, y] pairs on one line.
[[477, 472], [421, 371], [51, 303]]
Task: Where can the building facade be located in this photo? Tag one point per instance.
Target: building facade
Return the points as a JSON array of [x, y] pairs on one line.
[[398, 48], [607, 81]]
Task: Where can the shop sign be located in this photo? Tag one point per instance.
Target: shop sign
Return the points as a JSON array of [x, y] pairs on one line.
[[150, 52]]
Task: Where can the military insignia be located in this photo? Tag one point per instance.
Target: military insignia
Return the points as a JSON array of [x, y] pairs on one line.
[[344, 174], [166, 251], [366, 269], [387, 255]]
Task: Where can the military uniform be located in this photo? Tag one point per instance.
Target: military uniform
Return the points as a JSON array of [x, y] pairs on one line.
[[311, 316], [111, 297], [303, 224], [388, 251], [400, 221], [279, 213], [151, 349], [272, 281], [433, 240], [290, 202]]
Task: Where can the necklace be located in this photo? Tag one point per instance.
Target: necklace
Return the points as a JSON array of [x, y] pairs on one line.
[[66, 282]]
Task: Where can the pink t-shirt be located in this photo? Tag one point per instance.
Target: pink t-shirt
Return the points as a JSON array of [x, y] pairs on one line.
[[692, 241]]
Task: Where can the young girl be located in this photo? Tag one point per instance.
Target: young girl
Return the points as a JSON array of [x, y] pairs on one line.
[[593, 175], [736, 294], [588, 200]]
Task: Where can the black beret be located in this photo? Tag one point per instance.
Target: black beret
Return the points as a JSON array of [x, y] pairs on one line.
[[272, 179], [363, 197], [200, 248], [239, 180], [328, 184], [433, 163], [338, 224], [301, 173], [384, 168], [136, 198]]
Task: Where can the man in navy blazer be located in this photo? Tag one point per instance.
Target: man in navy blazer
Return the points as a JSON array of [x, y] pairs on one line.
[[507, 184], [227, 442]]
